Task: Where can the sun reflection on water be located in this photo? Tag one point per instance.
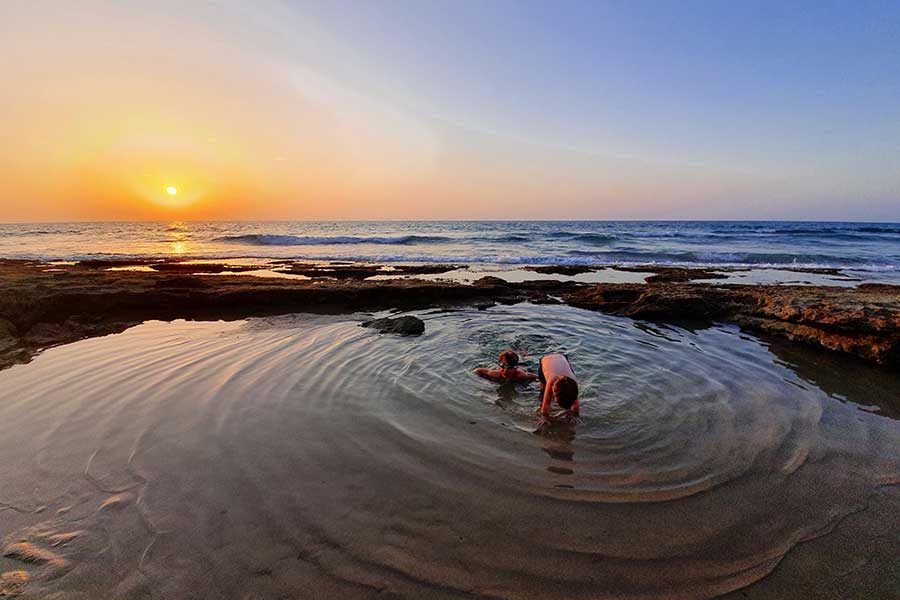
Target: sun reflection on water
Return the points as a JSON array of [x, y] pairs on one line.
[[178, 235]]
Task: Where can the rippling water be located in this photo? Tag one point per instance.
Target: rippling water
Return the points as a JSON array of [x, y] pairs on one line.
[[872, 248], [261, 457]]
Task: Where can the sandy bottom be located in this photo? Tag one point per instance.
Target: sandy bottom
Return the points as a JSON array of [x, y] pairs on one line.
[[306, 457]]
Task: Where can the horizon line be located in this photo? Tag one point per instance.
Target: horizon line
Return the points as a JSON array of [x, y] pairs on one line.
[[135, 221]]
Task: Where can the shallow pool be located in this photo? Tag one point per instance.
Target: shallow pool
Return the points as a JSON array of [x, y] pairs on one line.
[[305, 456]]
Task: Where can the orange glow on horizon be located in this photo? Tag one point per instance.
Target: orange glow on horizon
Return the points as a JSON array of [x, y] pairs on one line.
[[113, 105]]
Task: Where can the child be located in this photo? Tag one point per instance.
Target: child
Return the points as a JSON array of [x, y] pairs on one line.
[[508, 371], [557, 383]]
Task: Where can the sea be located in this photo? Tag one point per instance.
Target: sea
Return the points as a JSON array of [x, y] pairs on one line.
[[869, 250]]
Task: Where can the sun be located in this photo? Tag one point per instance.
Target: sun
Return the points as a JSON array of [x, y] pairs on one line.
[[171, 190]]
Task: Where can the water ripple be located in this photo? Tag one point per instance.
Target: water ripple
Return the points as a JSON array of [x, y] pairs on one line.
[[308, 448]]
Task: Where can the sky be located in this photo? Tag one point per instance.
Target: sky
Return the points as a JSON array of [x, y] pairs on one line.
[[457, 109]]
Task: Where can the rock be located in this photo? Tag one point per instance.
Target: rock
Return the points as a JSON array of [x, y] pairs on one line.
[[490, 281], [671, 274], [12, 583], [358, 271], [543, 299], [190, 268], [43, 309], [569, 270], [407, 325], [116, 502], [8, 335], [29, 553], [869, 347], [335, 271], [45, 334], [182, 283], [62, 539], [7, 329], [110, 263], [864, 322], [677, 274], [427, 269]]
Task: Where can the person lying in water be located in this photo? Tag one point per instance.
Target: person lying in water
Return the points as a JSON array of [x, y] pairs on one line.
[[509, 371], [557, 383]]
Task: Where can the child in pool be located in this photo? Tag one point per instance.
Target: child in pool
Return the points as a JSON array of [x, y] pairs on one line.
[[509, 372], [557, 383]]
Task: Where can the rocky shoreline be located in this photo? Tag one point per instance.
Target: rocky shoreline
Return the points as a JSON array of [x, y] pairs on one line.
[[45, 305]]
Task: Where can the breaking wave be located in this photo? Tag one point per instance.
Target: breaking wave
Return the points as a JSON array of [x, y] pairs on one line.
[[263, 239]]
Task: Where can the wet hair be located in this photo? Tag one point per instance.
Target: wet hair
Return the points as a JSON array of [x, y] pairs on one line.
[[565, 391], [508, 359]]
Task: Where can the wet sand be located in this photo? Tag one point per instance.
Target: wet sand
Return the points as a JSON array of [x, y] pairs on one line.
[[304, 456]]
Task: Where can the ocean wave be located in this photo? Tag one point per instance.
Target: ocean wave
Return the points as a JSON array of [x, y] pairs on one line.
[[857, 247], [594, 238], [508, 238], [584, 237], [9, 232], [874, 229], [831, 231], [263, 239], [733, 259]]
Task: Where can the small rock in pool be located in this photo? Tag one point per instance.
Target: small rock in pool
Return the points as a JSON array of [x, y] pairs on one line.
[[61, 539], [12, 583], [490, 281], [402, 325], [115, 502], [29, 553]]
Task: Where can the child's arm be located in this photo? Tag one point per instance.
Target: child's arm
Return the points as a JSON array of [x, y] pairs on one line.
[[491, 374], [545, 400], [526, 376]]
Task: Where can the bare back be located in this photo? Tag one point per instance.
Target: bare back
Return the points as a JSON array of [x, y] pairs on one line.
[[553, 366]]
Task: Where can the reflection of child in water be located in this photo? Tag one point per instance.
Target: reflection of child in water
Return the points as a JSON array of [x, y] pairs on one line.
[[509, 372]]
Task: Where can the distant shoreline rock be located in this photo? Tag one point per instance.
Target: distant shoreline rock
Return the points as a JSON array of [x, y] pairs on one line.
[[40, 308]]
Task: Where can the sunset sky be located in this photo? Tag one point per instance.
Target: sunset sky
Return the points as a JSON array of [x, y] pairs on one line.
[[449, 109]]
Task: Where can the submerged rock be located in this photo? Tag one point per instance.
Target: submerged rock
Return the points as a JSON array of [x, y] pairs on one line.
[[29, 553], [62, 539], [12, 583], [115, 502], [401, 325]]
